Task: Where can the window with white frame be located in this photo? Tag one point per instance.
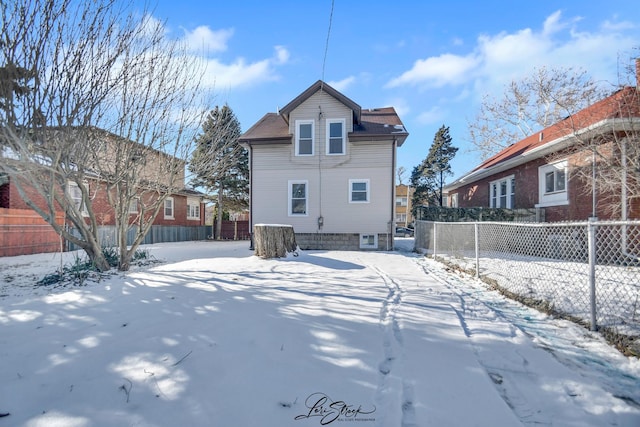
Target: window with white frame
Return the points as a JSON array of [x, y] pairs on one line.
[[401, 218], [304, 137], [335, 137], [358, 191], [368, 241], [133, 206], [76, 194], [298, 198], [168, 208], [401, 201], [552, 184], [453, 200], [193, 209], [502, 193]]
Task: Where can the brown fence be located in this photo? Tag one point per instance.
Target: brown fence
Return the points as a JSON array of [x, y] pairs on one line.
[[24, 232], [233, 230]]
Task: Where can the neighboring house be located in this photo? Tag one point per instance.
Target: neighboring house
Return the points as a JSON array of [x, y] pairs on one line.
[[184, 207], [327, 167], [403, 205], [541, 171]]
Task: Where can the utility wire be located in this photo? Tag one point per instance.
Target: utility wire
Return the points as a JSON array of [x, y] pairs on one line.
[[326, 46]]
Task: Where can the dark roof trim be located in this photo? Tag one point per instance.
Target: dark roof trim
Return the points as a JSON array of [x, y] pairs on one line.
[[317, 86], [267, 141]]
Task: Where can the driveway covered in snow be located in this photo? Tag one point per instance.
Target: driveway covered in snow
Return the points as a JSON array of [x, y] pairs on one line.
[[214, 336]]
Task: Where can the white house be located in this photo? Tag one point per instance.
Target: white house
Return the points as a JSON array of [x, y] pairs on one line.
[[327, 167]]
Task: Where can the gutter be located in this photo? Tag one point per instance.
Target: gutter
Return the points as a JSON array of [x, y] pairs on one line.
[[541, 151]]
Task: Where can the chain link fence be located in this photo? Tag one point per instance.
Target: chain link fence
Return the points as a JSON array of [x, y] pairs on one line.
[[586, 271]]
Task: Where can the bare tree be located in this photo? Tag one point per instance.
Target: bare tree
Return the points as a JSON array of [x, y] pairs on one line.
[[607, 135], [545, 97], [95, 103], [400, 173]]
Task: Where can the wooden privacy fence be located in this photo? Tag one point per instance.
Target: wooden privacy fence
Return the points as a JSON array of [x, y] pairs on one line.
[[24, 232], [232, 230]]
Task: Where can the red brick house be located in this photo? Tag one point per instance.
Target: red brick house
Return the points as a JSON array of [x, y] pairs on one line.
[[551, 169], [184, 207]]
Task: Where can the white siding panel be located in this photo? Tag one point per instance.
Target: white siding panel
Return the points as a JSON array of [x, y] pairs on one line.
[[328, 192]]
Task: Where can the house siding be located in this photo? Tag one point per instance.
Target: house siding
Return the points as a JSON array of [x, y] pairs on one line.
[[370, 157], [328, 192]]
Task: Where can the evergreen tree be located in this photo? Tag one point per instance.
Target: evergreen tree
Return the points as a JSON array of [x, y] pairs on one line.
[[220, 164], [428, 177]]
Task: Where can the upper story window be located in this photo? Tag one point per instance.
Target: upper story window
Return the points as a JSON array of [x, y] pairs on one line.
[[553, 184], [298, 196], [358, 191], [401, 201], [304, 137], [168, 208], [503, 193], [335, 137]]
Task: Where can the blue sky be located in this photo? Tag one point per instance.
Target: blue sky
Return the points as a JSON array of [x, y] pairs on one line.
[[432, 61]]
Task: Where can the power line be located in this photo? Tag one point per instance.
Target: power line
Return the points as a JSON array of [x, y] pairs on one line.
[[326, 46]]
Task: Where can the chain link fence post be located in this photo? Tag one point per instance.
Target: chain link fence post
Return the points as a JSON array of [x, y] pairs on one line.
[[476, 231], [591, 237]]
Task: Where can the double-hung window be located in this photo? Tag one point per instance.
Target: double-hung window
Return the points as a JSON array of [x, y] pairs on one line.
[[304, 137], [76, 194], [335, 137], [168, 208], [503, 193], [193, 209], [298, 198], [359, 191]]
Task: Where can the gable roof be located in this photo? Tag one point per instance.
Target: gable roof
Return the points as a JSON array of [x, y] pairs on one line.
[[596, 118], [371, 124], [317, 87]]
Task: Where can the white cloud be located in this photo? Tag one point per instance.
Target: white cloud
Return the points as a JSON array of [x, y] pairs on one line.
[[204, 39], [499, 58], [342, 85], [282, 55], [437, 71], [238, 74]]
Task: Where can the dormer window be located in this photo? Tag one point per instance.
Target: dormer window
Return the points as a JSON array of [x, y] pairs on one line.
[[335, 137], [304, 137]]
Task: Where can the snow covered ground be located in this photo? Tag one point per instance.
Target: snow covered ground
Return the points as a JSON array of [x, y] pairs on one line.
[[214, 336]]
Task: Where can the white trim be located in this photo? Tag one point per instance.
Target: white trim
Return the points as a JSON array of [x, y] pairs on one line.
[[368, 190], [366, 237], [555, 198], [76, 195], [328, 137], [173, 208], [497, 192], [290, 184], [133, 203], [195, 204], [555, 145], [313, 133]]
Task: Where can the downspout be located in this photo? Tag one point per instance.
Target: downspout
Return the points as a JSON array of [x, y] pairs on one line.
[[393, 194], [250, 197]]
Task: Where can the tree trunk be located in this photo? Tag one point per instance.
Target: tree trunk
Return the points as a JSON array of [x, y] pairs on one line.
[[220, 213], [274, 241]]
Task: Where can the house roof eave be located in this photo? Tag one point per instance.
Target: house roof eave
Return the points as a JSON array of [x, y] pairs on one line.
[[606, 125]]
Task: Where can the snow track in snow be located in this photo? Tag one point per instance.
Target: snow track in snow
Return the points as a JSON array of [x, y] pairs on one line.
[[393, 357], [528, 347]]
